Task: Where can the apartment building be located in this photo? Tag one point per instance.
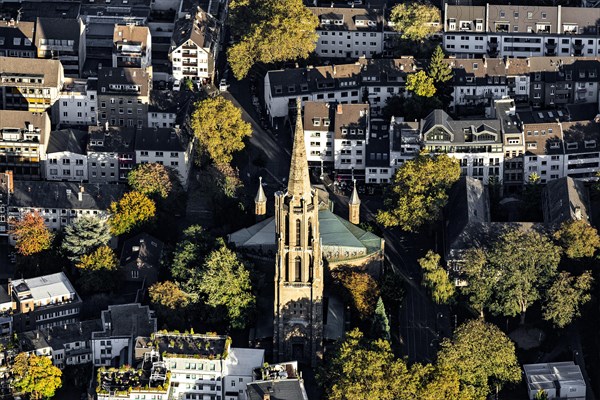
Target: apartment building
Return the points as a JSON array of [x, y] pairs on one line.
[[477, 144], [513, 141], [17, 38], [277, 378], [43, 302], [521, 31], [318, 132], [29, 84], [111, 153], [70, 343], [164, 107], [62, 39], [195, 46], [544, 152], [140, 261], [349, 32], [66, 157], [24, 138], [384, 78], [123, 96], [378, 166], [77, 103], [132, 47]]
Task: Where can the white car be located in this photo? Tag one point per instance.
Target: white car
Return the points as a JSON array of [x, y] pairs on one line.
[[223, 85], [177, 85]]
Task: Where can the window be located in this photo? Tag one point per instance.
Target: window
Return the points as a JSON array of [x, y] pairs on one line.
[[298, 232], [158, 154], [135, 274], [298, 269]]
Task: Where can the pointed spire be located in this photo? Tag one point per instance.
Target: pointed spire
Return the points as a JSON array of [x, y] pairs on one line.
[[299, 182], [354, 198], [260, 195]]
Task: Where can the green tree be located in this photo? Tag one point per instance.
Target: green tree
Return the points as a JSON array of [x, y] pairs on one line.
[[190, 253], [419, 191], [85, 234], [271, 31], [35, 376], [361, 287], [169, 295], [225, 282], [481, 279], [439, 71], [98, 270], [541, 395], [435, 278], [153, 179], [30, 233], [524, 263], [131, 211], [188, 84], [482, 355], [220, 129], [578, 239], [420, 84], [565, 296], [381, 325], [416, 20]]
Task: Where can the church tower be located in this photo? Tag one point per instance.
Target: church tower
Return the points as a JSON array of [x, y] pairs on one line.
[[354, 207], [260, 202], [298, 311]]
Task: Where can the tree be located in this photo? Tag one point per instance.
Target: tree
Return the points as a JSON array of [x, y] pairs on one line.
[[481, 279], [421, 84], [35, 376], [84, 235], [436, 279], [153, 179], [578, 239], [131, 211], [524, 262], [416, 106], [98, 270], [381, 325], [415, 20], [225, 282], [190, 253], [541, 395], [482, 355], [439, 71], [565, 296], [220, 129], [361, 287], [30, 233], [169, 295], [271, 31], [418, 192], [188, 84]]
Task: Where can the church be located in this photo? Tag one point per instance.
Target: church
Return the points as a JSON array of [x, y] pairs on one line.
[[306, 240]]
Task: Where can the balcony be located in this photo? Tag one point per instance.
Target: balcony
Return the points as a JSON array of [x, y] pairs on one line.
[[550, 45]]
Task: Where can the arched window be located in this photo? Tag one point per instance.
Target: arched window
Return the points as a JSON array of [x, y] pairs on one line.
[[310, 269], [287, 268], [309, 231], [298, 236], [286, 221], [298, 269]]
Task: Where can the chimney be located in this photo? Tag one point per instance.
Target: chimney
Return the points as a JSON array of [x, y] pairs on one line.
[[338, 109], [578, 213], [10, 183], [334, 70], [484, 62], [528, 62], [507, 62], [80, 194], [106, 126]]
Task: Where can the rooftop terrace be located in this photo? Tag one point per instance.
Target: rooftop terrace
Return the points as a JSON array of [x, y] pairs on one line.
[[191, 345]]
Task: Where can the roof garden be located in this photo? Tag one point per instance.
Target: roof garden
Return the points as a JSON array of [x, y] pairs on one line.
[[188, 345], [152, 377]]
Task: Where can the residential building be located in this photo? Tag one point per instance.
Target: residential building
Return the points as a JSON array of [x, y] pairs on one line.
[[559, 380], [277, 382], [66, 158], [195, 46], [77, 103], [164, 107], [167, 146], [318, 132], [350, 132], [140, 259], [6, 311], [239, 371], [18, 38], [29, 84], [384, 78], [62, 39], [581, 135], [544, 151], [476, 144], [60, 203], [23, 143], [565, 199], [132, 47], [349, 32], [121, 325], [71, 343], [111, 153], [43, 302], [123, 96]]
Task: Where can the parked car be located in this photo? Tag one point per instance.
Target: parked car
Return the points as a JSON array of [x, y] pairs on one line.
[[177, 85], [223, 85]]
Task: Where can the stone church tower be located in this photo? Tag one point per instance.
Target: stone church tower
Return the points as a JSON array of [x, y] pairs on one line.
[[298, 311], [354, 207]]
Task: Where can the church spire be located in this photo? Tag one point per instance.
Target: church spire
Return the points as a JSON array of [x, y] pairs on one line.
[[299, 182], [354, 207], [260, 201]]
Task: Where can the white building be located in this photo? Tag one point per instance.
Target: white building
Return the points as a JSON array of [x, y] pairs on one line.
[[239, 368], [318, 132], [78, 102], [132, 46], [560, 380], [544, 151], [66, 158]]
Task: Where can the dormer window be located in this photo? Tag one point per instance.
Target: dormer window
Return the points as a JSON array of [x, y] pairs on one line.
[[572, 146], [590, 144], [291, 89], [475, 65], [344, 131], [317, 121], [532, 145], [326, 122], [554, 145]]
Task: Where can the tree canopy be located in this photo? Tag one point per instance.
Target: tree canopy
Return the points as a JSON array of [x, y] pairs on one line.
[[380, 325], [35, 376], [271, 31], [131, 211], [30, 233], [481, 279], [225, 282], [361, 287], [420, 84], [189, 254], [220, 129], [416, 20], [439, 71], [84, 235], [169, 295], [565, 296], [153, 179], [578, 239], [419, 191], [435, 278], [482, 355], [98, 270]]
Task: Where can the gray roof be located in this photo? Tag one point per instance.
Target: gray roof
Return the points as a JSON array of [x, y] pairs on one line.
[[40, 194], [57, 28], [49, 9], [378, 143], [283, 389], [4, 297], [260, 194], [70, 140], [142, 251], [114, 139], [123, 76], [562, 197], [462, 131], [352, 117], [49, 70], [15, 34], [60, 335], [202, 29], [127, 320], [161, 139], [354, 19], [46, 286]]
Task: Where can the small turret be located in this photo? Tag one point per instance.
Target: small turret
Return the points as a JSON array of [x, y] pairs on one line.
[[260, 201], [354, 207]]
